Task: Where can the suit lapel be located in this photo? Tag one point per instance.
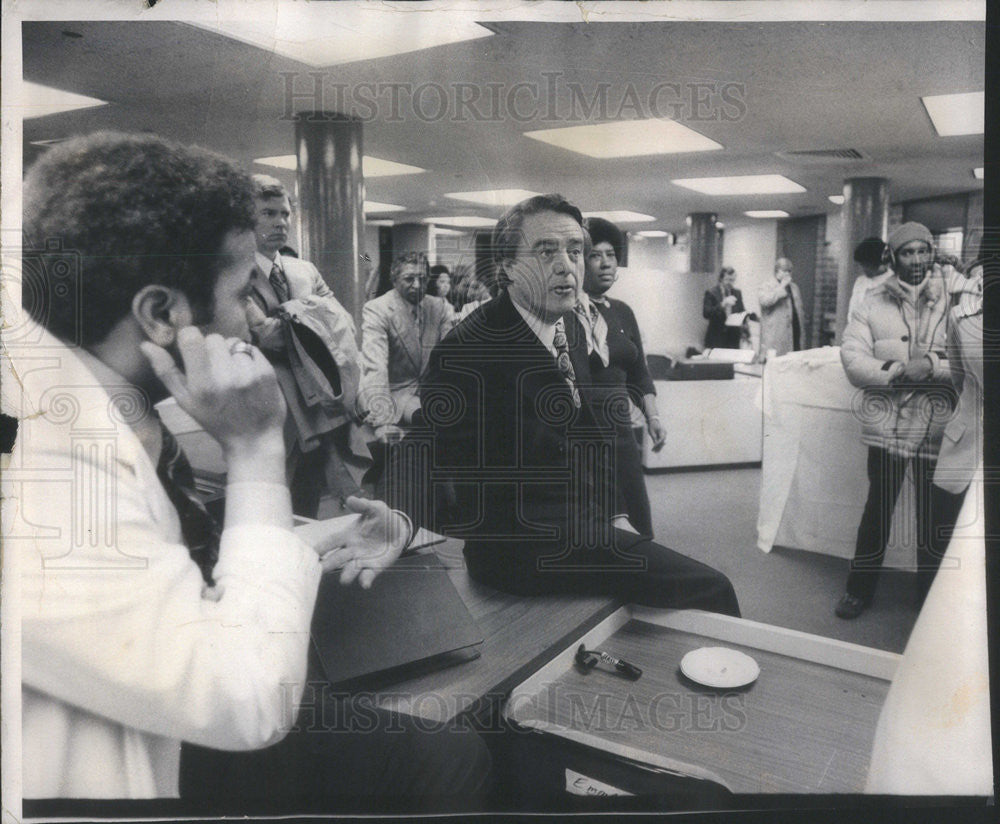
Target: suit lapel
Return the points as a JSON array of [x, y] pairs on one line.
[[404, 326], [263, 294]]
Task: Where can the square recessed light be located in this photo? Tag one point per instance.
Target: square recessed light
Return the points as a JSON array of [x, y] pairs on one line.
[[377, 167], [370, 166], [470, 221], [623, 216], [627, 138], [374, 207], [493, 197], [766, 213], [838, 199], [39, 100], [741, 185], [309, 33], [955, 114], [279, 162], [978, 172]]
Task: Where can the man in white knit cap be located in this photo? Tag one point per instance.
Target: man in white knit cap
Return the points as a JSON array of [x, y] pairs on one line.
[[894, 349]]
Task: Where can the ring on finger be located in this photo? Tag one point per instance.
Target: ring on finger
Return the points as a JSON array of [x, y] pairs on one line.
[[240, 347]]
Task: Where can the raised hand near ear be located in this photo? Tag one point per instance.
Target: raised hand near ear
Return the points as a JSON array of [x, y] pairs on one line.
[[227, 386]]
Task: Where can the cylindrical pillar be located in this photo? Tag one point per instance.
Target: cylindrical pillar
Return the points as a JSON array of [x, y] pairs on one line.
[[331, 195], [703, 242], [865, 214], [413, 237]]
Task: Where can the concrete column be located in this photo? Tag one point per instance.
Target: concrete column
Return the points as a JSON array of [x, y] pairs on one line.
[[413, 237], [865, 214], [703, 243], [331, 202]]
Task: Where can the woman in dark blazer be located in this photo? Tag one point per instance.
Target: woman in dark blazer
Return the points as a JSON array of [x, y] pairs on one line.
[[721, 301], [618, 365]]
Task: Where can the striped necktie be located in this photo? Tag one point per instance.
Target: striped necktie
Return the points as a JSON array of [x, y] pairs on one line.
[[279, 283], [198, 528], [563, 361]]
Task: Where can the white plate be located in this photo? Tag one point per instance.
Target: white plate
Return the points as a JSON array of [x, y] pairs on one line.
[[720, 667]]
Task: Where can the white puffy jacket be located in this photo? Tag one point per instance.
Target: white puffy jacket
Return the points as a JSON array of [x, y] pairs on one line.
[[897, 322]]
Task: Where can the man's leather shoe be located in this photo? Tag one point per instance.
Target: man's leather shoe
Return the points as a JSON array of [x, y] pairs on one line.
[[850, 606]]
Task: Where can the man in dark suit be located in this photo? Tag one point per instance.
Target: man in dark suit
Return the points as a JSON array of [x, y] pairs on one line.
[[521, 465], [721, 301]]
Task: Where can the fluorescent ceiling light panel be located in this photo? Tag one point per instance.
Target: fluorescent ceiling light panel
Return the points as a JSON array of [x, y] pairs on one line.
[[279, 162], [377, 167], [622, 216], [954, 114], [380, 223], [741, 185], [627, 138], [309, 33], [493, 197], [373, 206], [766, 213], [838, 199], [370, 166], [978, 172], [39, 101], [470, 221], [652, 233]]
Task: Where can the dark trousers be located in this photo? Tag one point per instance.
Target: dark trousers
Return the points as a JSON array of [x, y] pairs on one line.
[[344, 755], [629, 476], [627, 567], [945, 509], [886, 473]]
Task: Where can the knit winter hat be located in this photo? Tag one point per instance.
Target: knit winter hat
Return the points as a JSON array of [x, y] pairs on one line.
[[909, 232]]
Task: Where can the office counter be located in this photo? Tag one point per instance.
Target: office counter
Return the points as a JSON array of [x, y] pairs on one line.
[[709, 423], [813, 475]]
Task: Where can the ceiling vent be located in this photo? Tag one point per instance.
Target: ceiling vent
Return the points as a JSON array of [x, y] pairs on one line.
[[824, 157]]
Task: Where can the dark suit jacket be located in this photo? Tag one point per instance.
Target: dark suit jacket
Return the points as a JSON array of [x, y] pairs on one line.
[[719, 335], [514, 462], [626, 374]]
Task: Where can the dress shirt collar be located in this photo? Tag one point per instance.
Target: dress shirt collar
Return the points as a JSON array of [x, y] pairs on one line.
[[601, 300], [412, 309], [265, 263], [545, 332]]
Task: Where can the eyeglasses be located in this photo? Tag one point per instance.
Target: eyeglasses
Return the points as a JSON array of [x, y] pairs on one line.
[[588, 659]]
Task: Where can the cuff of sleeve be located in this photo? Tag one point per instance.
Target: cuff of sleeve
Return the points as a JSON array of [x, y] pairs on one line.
[[268, 575], [265, 552], [939, 364], [258, 503], [410, 531], [893, 370]]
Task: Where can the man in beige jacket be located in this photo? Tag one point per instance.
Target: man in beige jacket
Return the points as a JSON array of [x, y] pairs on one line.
[[781, 326]]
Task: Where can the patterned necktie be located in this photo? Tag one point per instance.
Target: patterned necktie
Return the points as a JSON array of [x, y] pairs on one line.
[[198, 528], [279, 283], [563, 362]]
